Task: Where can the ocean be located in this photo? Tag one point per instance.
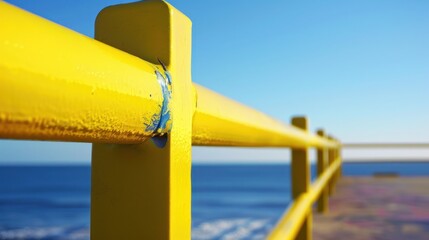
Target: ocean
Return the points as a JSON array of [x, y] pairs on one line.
[[228, 201]]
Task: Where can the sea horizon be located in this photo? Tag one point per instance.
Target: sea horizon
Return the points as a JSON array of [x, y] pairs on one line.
[[53, 201]]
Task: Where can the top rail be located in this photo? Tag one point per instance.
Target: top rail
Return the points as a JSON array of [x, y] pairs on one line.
[[219, 121], [79, 89], [57, 84]]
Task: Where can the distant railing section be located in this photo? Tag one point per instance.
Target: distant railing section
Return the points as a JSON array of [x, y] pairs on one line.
[[386, 145], [397, 158], [62, 86], [296, 222]]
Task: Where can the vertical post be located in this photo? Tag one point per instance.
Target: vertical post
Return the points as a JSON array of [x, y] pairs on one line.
[[322, 165], [340, 169], [338, 156], [336, 176], [331, 157], [144, 191], [300, 172]]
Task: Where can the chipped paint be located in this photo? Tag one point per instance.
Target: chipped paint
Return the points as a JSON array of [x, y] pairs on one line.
[[160, 141], [161, 122], [106, 96], [165, 83]]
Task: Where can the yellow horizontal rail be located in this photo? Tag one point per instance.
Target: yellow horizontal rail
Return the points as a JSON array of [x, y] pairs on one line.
[[385, 145], [57, 84], [290, 224], [219, 121], [60, 85]]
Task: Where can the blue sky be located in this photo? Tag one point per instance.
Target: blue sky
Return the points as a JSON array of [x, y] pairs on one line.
[[360, 69]]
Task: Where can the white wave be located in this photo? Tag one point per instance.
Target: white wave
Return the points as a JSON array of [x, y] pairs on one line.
[[33, 233], [44, 232], [81, 234], [227, 229], [245, 231]]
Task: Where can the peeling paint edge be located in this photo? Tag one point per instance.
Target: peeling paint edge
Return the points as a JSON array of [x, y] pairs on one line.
[[160, 123]]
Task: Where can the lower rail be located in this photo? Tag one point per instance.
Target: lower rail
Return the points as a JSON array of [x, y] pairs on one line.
[[291, 222]]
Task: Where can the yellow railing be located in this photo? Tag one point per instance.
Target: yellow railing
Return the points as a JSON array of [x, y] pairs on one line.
[[396, 158], [387, 145], [59, 85]]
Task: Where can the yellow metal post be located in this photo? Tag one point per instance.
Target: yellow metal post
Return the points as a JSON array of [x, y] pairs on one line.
[[331, 158], [338, 157], [142, 191], [336, 176], [340, 169], [300, 172], [322, 165]]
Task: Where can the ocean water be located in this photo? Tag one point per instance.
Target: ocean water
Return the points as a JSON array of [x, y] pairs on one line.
[[229, 201]]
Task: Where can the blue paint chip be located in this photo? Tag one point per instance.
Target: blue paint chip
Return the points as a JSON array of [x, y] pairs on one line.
[[160, 141], [165, 83], [160, 123]]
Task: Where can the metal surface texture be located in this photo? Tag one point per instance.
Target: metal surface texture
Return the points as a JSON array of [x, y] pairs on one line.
[[57, 84], [142, 191], [220, 121]]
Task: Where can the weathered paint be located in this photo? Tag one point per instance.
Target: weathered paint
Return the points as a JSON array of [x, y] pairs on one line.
[[160, 122], [165, 119], [108, 95], [57, 84], [163, 125], [142, 191]]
